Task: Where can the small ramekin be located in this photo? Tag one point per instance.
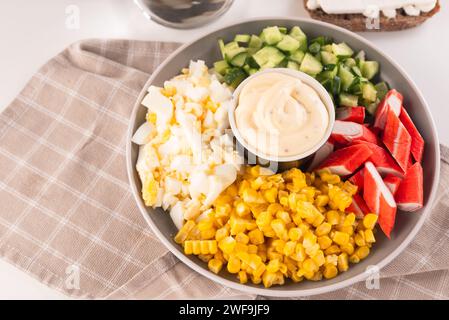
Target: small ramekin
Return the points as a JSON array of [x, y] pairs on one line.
[[290, 161]]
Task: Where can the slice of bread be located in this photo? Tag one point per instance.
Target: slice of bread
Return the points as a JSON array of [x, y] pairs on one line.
[[358, 22]]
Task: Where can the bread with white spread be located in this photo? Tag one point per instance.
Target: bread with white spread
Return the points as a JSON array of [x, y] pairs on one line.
[[373, 15]]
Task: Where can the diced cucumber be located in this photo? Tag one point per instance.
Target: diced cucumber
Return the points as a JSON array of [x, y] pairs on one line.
[[282, 64], [322, 40], [348, 100], [372, 107], [272, 35], [239, 59], [336, 86], [283, 30], [288, 44], [311, 65], [221, 67], [347, 78], [252, 63], [255, 42], [249, 70], [369, 69], [360, 56], [327, 48], [242, 38], [382, 89], [350, 62], [329, 73], [299, 35], [342, 50], [314, 48], [356, 71], [297, 56], [328, 58], [268, 57], [221, 45], [293, 65], [231, 53], [234, 76], [369, 92]]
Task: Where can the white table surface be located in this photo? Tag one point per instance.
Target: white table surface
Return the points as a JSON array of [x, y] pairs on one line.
[[31, 32]]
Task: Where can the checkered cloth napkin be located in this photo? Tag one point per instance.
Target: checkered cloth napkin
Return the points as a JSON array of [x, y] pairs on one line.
[[67, 216]]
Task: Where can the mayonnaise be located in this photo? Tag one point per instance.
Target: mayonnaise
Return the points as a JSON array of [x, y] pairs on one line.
[[280, 116]]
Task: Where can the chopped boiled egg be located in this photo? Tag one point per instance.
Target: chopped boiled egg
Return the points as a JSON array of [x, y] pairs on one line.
[[186, 159]]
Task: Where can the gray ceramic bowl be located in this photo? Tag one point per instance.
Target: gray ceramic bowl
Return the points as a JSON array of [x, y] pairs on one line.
[[384, 251]]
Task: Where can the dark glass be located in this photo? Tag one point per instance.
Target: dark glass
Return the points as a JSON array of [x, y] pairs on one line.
[[184, 13]]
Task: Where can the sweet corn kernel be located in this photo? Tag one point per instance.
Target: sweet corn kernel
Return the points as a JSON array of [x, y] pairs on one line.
[[295, 234], [330, 271], [256, 237], [369, 236], [208, 234], [270, 195], [370, 220], [243, 277], [322, 200], [324, 242], [350, 188], [323, 229], [289, 248], [333, 249], [354, 258], [233, 264], [340, 238], [237, 225], [227, 245], [349, 220], [333, 217], [362, 252], [184, 232], [319, 258], [221, 233], [273, 265], [348, 248], [332, 259], [359, 238], [284, 216], [258, 272], [252, 248], [279, 228], [264, 219], [242, 238], [252, 196], [242, 210], [215, 265], [309, 266], [342, 262]]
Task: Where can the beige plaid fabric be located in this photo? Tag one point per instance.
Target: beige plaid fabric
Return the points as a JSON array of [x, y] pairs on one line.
[[65, 205]]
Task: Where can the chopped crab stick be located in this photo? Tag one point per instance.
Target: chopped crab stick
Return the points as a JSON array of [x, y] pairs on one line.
[[345, 161], [417, 147], [392, 182], [397, 140], [379, 198], [354, 114], [345, 132], [409, 196], [392, 101], [383, 161]]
